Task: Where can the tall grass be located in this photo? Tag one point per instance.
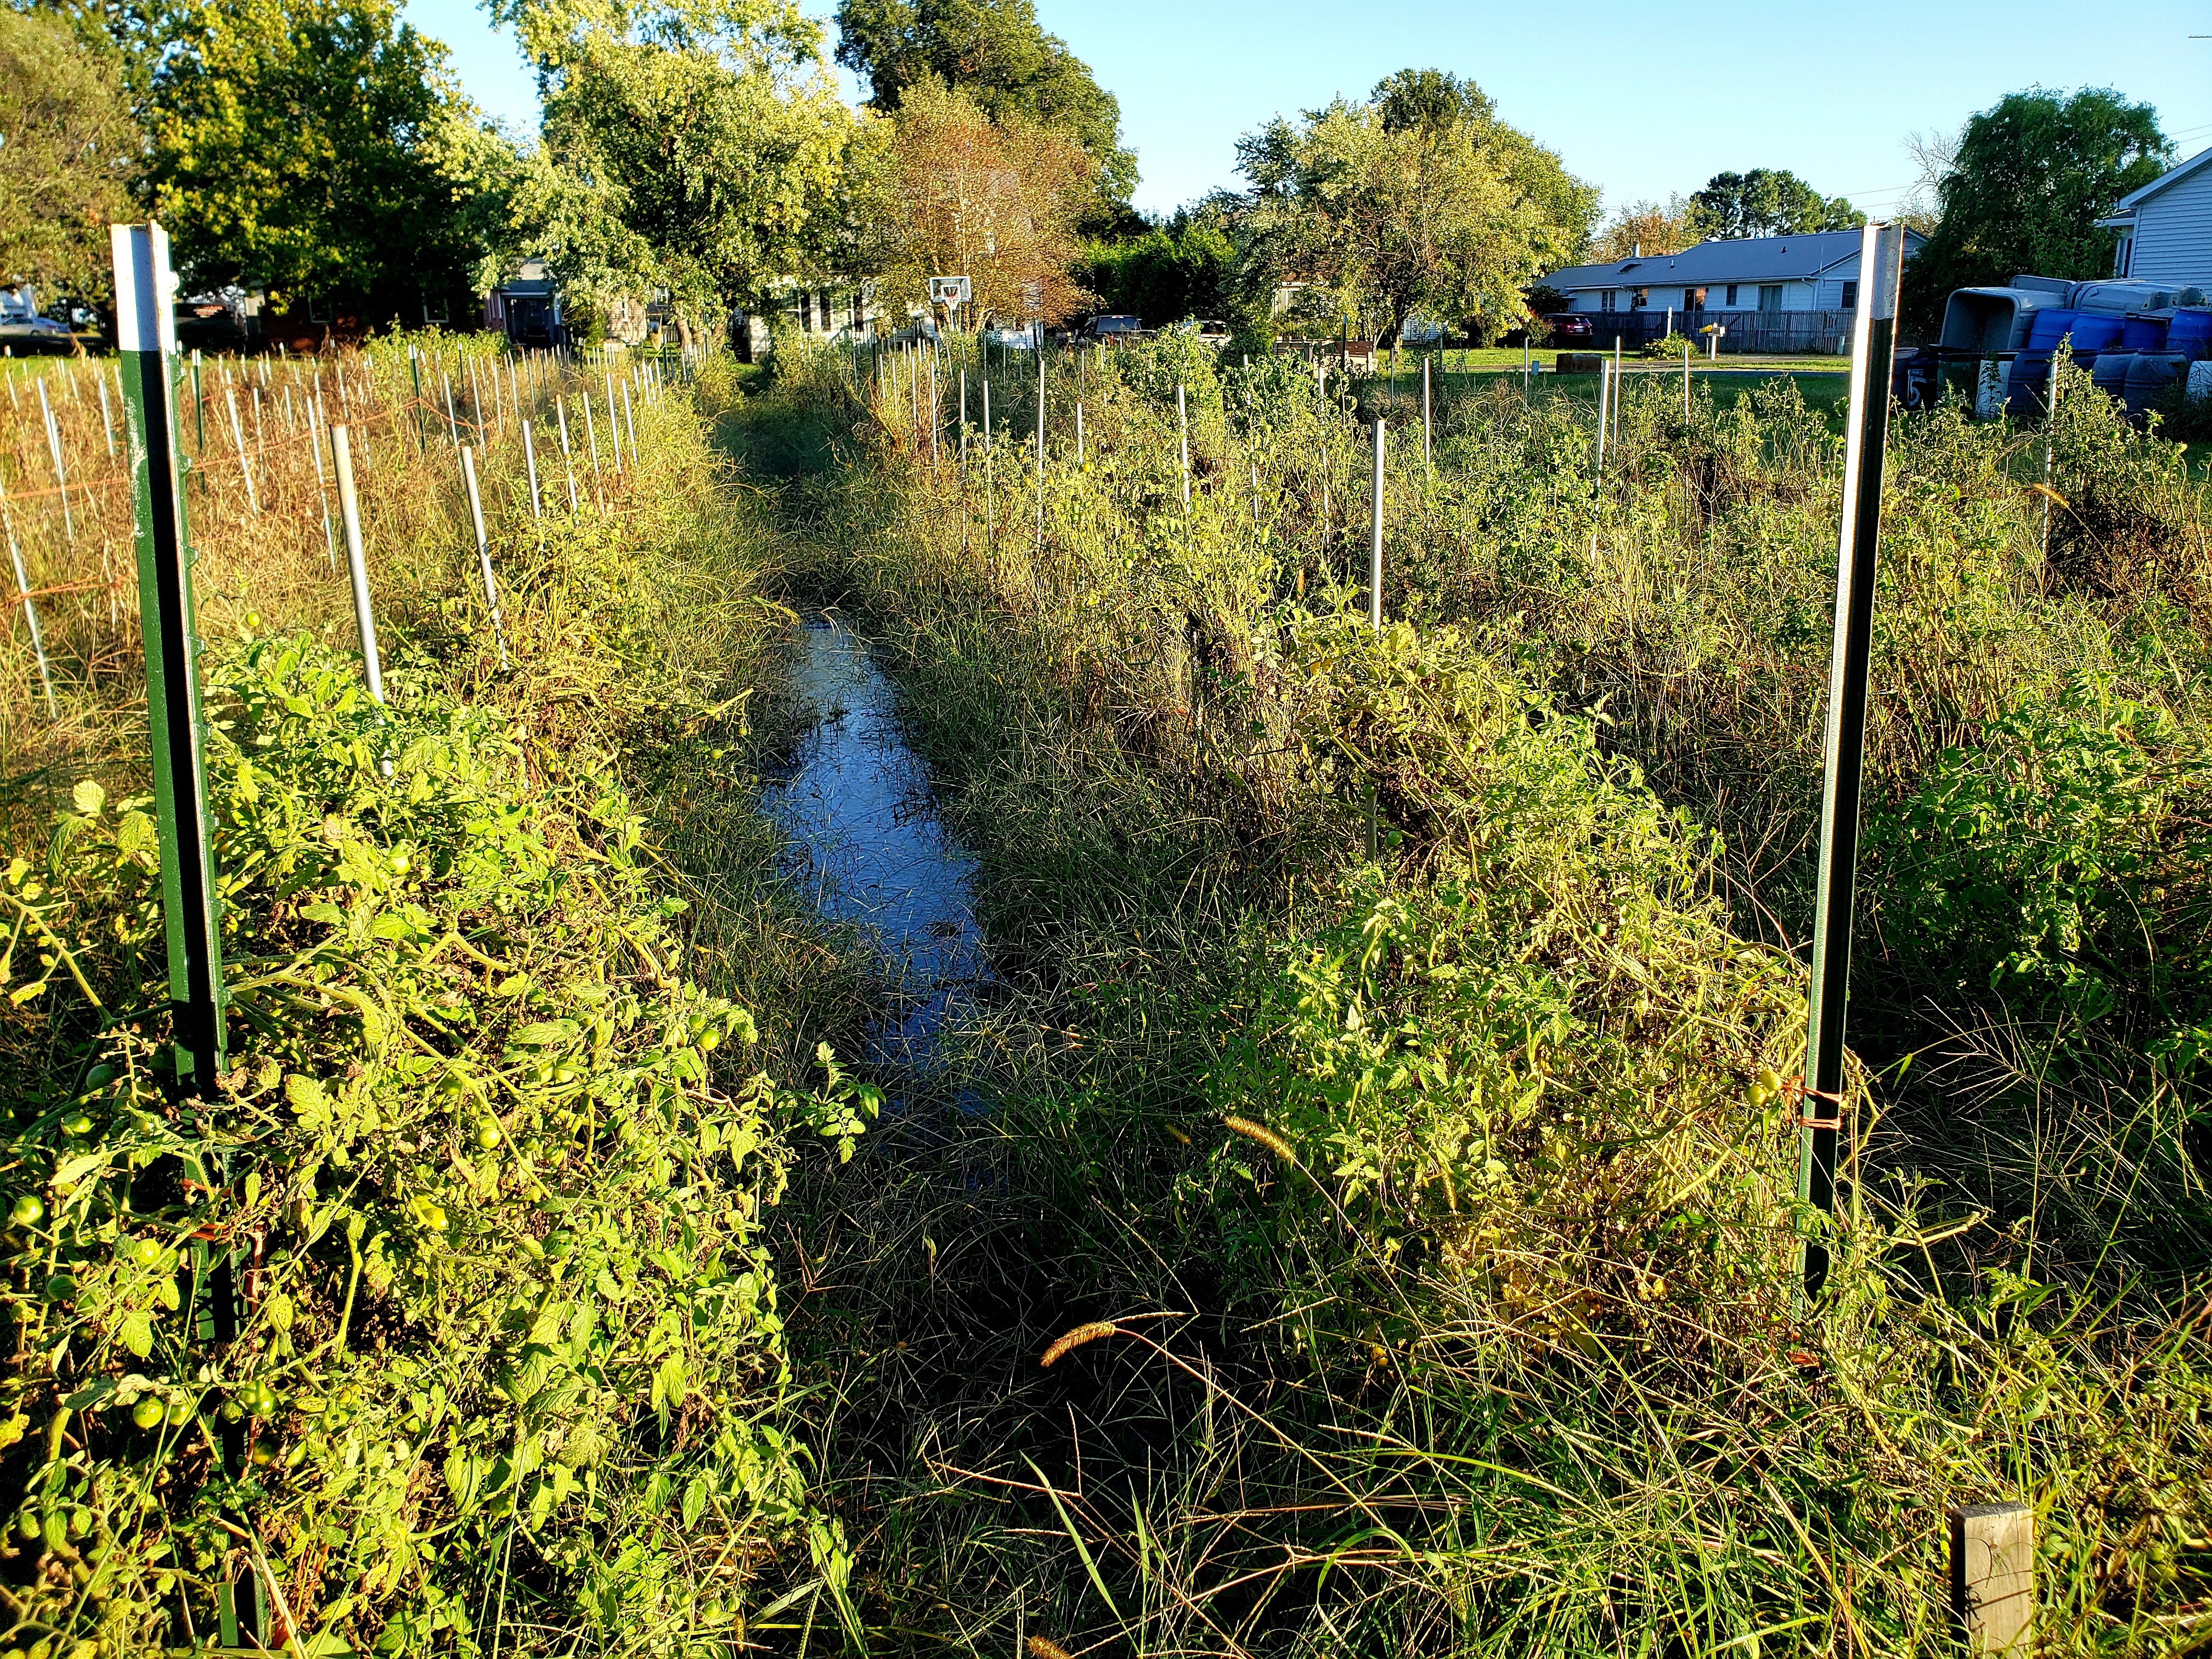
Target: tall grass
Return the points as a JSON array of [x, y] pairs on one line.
[[1476, 1332]]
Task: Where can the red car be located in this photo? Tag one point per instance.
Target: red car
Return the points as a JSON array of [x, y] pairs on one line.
[[1569, 325]]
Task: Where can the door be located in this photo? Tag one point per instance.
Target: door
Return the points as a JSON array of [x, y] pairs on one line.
[[1770, 296]]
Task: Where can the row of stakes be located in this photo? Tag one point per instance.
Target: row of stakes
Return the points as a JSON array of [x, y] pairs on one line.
[[348, 454]]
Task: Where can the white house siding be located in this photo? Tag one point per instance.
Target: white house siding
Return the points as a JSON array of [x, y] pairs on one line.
[[1819, 294], [2173, 233]]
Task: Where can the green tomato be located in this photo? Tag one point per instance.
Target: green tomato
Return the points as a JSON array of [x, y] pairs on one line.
[[488, 1135], [77, 1123], [180, 1412], [99, 1076], [27, 1210], [400, 864], [148, 1412]]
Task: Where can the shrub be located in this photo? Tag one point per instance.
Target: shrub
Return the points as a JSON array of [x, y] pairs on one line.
[[505, 1330]]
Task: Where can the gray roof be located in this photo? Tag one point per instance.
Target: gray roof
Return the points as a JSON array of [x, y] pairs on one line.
[[1743, 259]]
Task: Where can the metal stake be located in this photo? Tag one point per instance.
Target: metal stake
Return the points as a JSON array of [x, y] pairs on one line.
[[1374, 601], [483, 550], [30, 616], [1874, 332], [530, 466], [145, 336], [1182, 424], [357, 562], [54, 446]]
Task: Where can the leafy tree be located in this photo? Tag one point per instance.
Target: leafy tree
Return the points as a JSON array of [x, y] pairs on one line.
[[1429, 100], [998, 54], [1183, 267], [308, 146], [1769, 202], [68, 151], [997, 201], [1419, 200], [696, 149], [1647, 225], [2026, 184]]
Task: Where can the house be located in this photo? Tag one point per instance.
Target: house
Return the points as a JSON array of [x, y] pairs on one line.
[[526, 308], [2166, 227], [1769, 293]]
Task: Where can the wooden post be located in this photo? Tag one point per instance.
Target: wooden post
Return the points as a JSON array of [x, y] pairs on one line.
[[1993, 1575], [1866, 431], [145, 336], [372, 667], [483, 550]]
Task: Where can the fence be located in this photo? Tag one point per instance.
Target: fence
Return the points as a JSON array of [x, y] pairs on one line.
[[1747, 330]]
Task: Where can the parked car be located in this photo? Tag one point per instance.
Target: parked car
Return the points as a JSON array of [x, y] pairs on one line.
[[1211, 331], [1567, 325], [26, 334], [1114, 327]]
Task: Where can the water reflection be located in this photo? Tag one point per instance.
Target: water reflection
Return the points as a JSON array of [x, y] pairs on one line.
[[866, 843]]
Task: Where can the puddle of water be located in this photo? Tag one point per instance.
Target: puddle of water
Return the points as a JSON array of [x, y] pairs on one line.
[[866, 843]]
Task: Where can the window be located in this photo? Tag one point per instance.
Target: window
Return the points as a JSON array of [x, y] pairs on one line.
[[1605, 300], [1850, 296], [1770, 296], [1731, 296], [1694, 299], [1642, 298], [2123, 253]]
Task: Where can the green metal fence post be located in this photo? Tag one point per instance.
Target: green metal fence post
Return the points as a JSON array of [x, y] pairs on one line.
[[1866, 431], [145, 337]]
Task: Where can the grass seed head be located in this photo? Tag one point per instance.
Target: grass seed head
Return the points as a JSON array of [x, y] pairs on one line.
[[1041, 1649], [1077, 1337], [1259, 1132]]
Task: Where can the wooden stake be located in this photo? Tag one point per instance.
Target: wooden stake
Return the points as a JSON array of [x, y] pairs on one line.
[[1993, 1575]]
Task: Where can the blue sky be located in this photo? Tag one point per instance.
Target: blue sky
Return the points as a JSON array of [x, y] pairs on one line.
[[1827, 91]]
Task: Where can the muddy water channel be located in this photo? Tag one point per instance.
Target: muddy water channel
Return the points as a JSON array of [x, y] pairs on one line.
[[865, 845]]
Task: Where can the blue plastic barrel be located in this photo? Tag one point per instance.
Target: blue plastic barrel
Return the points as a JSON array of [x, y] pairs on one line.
[[2046, 329], [2149, 375], [2094, 332], [2024, 384], [2110, 374], [2142, 334], [2190, 332]]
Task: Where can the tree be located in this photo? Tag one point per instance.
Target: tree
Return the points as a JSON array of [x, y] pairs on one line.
[[997, 201], [304, 145], [1646, 227], [2026, 186], [1182, 267], [68, 152], [1419, 200], [696, 149], [997, 53], [1429, 101], [1769, 202]]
